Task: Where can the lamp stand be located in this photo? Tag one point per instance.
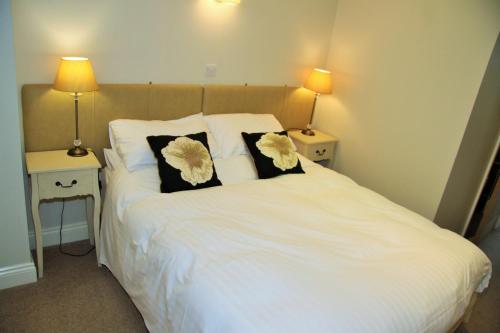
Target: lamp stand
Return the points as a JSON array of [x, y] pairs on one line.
[[77, 151], [308, 131]]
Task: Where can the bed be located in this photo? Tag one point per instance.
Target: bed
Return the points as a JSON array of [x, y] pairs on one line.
[[296, 253], [301, 252]]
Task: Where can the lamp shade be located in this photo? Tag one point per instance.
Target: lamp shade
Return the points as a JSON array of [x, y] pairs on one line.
[[319, 81], [75, 75]]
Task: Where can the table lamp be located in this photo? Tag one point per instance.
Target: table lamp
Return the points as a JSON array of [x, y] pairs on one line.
[[75, 75], [319, 81]]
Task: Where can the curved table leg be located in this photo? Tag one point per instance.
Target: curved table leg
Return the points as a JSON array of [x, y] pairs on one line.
[[35, 202], [90, 221], [97, 220]]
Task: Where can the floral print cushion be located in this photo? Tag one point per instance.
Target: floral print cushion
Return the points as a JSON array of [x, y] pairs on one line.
[[273, 154], [184, 162]]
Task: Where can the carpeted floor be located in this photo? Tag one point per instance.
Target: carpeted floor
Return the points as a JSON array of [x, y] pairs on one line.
[[73, 296], [76, 296]]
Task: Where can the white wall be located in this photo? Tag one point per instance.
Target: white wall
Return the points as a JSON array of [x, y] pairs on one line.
[[476, 153], [16, 266], [259, 41], [406, 75], [170, 41]]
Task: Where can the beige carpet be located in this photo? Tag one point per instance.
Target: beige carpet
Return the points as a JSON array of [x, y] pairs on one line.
[[73, 296], [76, 296]]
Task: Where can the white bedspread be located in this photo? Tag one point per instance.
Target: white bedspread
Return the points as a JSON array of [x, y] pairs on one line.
[[297, 253]]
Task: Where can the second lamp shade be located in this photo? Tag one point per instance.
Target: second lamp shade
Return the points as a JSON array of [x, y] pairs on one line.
[[319, 81]]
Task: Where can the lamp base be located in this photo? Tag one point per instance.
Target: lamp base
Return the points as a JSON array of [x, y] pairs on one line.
[[77, 152], [308, 132]]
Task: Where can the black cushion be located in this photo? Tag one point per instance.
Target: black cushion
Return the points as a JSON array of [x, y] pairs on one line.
[[272, 153], [184, 162]]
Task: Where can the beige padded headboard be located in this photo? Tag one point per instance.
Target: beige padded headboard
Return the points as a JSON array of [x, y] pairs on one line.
[[48, 114]]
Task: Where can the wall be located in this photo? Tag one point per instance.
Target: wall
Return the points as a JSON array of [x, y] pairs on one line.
[[169, 41], [476, 152], [259, 41], [16, 265], [406, 75]]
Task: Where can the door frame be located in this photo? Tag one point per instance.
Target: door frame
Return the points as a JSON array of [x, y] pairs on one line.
[[481, 186]]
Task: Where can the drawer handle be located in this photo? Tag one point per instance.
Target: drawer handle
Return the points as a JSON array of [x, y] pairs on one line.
[[74, 182], [321, 153]]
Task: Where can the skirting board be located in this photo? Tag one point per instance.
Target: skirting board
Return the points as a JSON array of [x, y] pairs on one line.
[[70, 233], [17, 275]]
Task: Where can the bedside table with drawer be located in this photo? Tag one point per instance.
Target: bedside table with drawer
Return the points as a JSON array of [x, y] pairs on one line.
[[320, 147], [55, 175]]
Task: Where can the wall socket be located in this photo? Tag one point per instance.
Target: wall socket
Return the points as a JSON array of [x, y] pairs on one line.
[[210, 70]]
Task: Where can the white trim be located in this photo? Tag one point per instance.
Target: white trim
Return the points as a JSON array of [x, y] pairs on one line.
[[70, 233], [15, 275]]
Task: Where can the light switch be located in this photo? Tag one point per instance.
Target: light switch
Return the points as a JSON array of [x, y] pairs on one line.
[[210, 70]]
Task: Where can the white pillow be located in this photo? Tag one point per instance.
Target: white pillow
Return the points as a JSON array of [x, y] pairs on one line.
[[113, 161], [196, 116], [236, 169], [227, 128], [128, 138]]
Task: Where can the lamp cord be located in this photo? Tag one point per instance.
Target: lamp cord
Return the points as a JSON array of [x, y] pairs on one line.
[[60, 239]]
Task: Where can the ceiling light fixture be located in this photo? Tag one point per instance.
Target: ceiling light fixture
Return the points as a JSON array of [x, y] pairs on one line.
[[232, 2]]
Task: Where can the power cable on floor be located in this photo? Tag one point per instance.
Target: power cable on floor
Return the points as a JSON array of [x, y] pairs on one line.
[[60, 239]]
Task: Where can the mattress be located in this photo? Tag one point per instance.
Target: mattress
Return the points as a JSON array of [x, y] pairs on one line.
[[297, 253]]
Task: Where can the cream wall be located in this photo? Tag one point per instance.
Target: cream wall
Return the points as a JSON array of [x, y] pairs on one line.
[[16, 266], [476, 153], [258, 42], [406, 75]]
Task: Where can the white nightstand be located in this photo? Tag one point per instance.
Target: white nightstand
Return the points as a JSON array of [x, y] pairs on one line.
[[55, 175], [320, 147]]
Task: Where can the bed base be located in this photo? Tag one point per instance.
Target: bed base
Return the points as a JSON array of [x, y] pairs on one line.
[[466, 316]]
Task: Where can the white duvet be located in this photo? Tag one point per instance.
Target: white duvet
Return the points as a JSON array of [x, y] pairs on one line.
[[297, 253]]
